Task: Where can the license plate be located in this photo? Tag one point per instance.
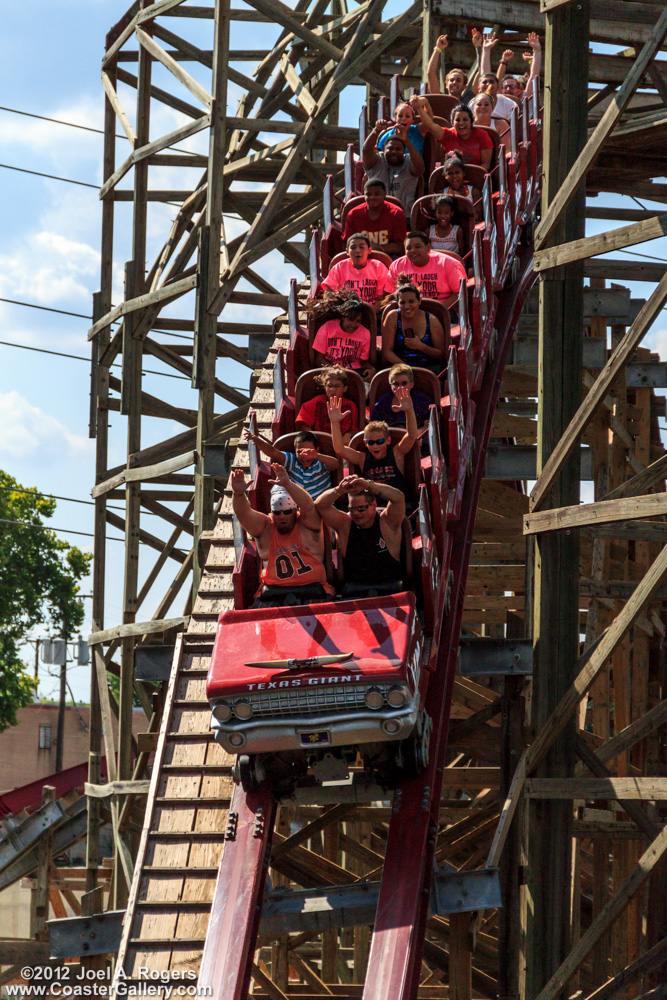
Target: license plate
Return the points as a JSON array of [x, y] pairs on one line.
[[315, 739]]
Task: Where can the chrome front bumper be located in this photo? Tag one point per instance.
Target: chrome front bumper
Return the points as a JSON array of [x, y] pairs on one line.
[[269, 735]]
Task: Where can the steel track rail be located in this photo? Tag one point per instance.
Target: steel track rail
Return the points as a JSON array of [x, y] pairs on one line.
[[398, 935]]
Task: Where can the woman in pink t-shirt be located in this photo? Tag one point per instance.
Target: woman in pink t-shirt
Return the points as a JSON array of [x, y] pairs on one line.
[[343, 340], [473, 143]]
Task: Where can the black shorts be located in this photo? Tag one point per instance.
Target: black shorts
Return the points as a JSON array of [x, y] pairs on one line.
[[282, 597]]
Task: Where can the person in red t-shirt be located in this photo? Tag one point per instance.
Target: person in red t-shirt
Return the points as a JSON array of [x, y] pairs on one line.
[[314, 414], [360, 273], [473, 143], [382, 222]]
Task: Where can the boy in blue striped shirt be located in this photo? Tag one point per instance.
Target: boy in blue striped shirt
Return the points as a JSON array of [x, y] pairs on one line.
[[305, 466]]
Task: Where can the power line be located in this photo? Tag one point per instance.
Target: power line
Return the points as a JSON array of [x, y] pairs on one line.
[[68, 531], [32, 305], [90, 503], [86, 128], [114, 364], [51, 177], [79, 357], [58, 121]]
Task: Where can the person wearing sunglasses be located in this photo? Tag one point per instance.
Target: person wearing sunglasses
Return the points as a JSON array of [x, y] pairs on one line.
[[289, 541], [388, 407], [379, 462], [368, 537]]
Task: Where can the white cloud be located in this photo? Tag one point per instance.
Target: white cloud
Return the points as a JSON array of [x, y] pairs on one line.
[[29, 432], [49, 269], [656, 340]]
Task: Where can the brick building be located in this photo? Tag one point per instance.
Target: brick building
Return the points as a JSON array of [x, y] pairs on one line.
[[28, 750]]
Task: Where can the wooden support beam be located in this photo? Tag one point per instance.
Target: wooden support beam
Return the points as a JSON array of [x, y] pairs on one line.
[[134, 629], [652, 474], [634, 789], [602, 512], [617, 987], [590, 246], [157, 52], [606, 917], [595, 397], [162, 295], [143, 473], [602, 131]]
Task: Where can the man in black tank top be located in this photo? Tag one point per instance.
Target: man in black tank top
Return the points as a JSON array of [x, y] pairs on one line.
[[369, 538]]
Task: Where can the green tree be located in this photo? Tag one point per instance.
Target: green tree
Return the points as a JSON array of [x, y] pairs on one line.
[[39, 583]]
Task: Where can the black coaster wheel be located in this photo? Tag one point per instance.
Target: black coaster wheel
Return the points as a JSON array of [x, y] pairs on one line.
[[415, 750], [247, 773]]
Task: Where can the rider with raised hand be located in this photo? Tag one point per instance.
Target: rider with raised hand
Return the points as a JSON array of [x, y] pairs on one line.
[[379, 461], [289, 541]]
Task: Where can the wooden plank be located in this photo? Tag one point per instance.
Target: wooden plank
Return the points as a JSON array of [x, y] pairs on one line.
[[593, 661], [591, 246], [151, 46], [602, 512], [603, 129], [110, 91], [150, 148], [652, 474], [595, 397], [633, 733], [137, 629], [144, 473], [616, 987], [301, 92], [128, 787], [606, 917], [161, 295], [636, 789]]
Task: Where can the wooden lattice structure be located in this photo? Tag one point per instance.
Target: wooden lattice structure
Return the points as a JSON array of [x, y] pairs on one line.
[[576, 826]]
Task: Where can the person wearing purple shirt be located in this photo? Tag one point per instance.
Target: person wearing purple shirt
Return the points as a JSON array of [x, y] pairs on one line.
[[400, 377]]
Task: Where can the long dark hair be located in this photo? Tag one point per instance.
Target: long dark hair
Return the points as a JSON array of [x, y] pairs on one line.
[[335, 304]]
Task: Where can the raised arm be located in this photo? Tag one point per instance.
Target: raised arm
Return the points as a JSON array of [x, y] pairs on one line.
[[422, 107], [490, 41], [536, 64], [433, 68], [473, 75], [369, 154], [253, 521], [416, 161], [324, 505], [395, 509], [335, 410], [505, 60], [266, 446], [403, 401], [308, 515]]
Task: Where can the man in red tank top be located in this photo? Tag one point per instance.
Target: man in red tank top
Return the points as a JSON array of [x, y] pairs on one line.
[[289, 541]]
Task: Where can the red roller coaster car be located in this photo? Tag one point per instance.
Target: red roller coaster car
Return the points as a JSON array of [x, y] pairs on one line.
[[298, 692]]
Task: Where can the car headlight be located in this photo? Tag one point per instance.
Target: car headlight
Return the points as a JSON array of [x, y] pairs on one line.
[[222, 712], [374, 698], [243, 710], [396, 696]]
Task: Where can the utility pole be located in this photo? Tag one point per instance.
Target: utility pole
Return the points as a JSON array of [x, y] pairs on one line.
[[60, 737]]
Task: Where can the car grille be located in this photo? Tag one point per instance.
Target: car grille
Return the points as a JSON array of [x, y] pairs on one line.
[[302, 701]]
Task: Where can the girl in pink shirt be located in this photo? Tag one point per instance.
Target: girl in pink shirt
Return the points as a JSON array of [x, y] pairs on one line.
[[343, 340]]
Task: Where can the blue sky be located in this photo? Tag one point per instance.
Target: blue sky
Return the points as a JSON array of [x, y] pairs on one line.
[[49, 256]]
